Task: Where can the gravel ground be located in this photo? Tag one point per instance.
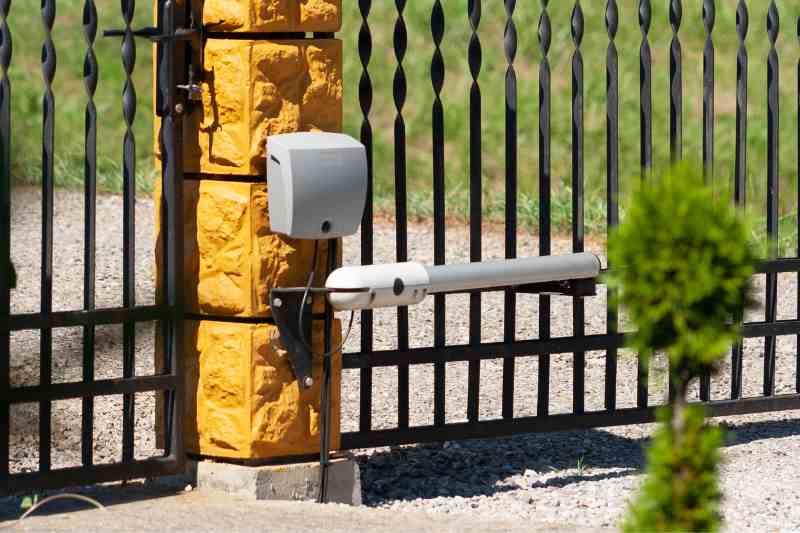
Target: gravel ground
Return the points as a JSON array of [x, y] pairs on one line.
[[582, 478]]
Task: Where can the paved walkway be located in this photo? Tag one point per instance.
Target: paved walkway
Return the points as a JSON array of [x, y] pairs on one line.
[[140, 507]]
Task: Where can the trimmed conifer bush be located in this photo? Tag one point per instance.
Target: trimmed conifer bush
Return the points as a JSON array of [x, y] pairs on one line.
[[681, 266]]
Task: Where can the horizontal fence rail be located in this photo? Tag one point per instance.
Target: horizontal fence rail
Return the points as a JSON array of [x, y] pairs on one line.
[[680, 15]]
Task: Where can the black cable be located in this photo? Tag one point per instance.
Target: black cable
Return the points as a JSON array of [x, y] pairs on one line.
[[304, 303], [325, 388]]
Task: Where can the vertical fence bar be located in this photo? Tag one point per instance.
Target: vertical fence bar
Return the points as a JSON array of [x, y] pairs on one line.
[[510, 304], [675, 82], [400, 197], [545, 141], [740, 172], [773, 160], [365, 101], [645, 88], [5, 235], [128, 224], [437, 114], [612, 148], [709, 89], [475, 202], [646, 153], [171, 138], [797, 358], [578, 309], [90, 78], [676, 97], [48, 148]]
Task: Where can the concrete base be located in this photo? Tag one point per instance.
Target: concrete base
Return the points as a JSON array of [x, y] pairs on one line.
[[278, 482]]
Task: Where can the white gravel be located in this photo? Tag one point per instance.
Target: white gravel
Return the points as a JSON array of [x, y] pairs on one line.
[[582, 477]]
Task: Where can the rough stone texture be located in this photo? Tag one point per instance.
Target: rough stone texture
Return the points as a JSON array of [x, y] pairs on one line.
[[252, 89], [298, 481], [273, 15], [231, 258], [242, 398]]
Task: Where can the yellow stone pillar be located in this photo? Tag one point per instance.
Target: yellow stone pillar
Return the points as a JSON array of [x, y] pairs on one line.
[[243, 401]]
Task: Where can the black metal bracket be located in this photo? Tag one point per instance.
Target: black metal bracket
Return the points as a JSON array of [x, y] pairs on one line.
[[287, 304], [193, 35], [580, 288]]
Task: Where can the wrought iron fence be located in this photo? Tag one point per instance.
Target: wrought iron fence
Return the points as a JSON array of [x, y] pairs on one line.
[[168, 34], [610, 342], [89, 317]]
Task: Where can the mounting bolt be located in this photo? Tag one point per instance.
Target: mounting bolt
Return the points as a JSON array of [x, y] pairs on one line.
[[277, 302], [399, 287], [179, 108], [308, 382]]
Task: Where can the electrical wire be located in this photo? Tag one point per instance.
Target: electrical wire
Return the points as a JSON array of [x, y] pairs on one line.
[[63, 496], [303, 305]]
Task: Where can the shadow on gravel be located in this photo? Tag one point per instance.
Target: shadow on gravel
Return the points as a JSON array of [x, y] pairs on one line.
[[485, 467], [554, 460]]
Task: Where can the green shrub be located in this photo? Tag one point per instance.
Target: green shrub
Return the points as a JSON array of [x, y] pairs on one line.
[[680, 492], [681, 265]]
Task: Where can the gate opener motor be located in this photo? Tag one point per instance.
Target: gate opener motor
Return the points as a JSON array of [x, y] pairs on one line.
[[318, 190]]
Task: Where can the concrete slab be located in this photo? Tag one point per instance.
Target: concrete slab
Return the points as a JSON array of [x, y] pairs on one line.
[[298, 482]]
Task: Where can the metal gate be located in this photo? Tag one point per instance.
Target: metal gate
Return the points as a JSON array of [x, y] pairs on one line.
[[511, 348], [170, 36]]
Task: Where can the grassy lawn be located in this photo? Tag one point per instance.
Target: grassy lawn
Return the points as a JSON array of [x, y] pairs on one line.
[[26, 79]]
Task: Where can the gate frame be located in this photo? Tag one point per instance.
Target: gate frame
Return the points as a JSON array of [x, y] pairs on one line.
[[171, 39]]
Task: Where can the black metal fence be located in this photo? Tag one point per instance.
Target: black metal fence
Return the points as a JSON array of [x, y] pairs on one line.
[[89, 317], [512, 348], [170, 34]]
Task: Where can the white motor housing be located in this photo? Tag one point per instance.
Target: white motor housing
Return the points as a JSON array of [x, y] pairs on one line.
[[401, 284], [391, 285]]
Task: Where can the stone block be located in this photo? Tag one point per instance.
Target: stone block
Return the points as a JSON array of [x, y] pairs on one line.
[[243, 401], [252, 89], [273, 15], [231, 258]]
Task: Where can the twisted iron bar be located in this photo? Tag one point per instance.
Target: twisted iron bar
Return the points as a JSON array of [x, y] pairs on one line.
[[773, 168], [437, 111], [401, 224], [128, 8], [709, 21], [545, 143], [676, 82], [510, 298], [612, 161], [646, 88], [49, 62], [578, 309], [475, 57], [740, 171], [90, 79], [365, 94]]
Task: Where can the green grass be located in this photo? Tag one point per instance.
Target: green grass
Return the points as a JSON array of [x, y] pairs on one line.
[[27, 87]]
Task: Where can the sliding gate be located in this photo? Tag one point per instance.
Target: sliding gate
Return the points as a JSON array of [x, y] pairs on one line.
[[607, 17]]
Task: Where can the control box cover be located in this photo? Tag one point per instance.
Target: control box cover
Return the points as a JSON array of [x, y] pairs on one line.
[[317, 184]]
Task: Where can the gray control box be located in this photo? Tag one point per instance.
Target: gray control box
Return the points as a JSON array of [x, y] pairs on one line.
[[317, 184]]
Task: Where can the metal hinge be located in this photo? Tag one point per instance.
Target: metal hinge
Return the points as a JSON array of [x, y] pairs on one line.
[[193, 35]]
